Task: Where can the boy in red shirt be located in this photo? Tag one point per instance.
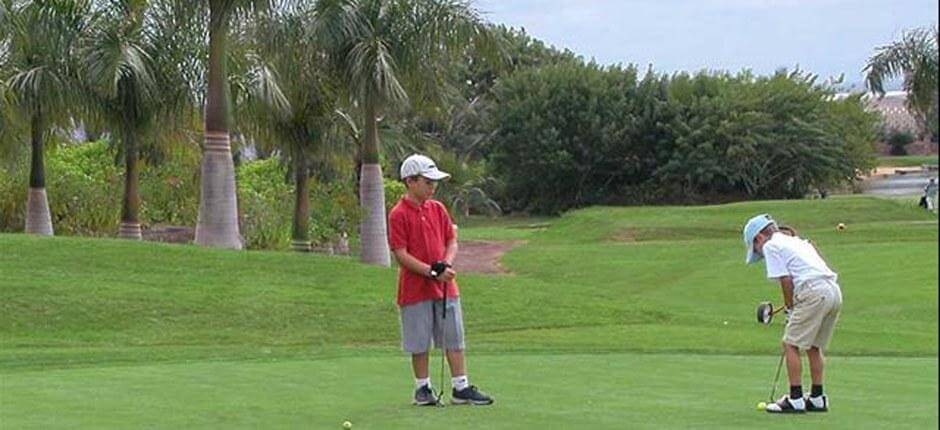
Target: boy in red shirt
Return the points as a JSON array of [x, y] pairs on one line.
[[423, 239]]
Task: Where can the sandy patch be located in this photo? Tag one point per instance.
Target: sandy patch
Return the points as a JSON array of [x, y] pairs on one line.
[[482, 256]]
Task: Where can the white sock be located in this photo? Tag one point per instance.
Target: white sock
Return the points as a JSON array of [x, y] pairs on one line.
[[420, 382], [460, 382]]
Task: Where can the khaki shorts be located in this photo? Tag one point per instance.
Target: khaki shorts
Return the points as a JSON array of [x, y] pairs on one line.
[[816, 308]]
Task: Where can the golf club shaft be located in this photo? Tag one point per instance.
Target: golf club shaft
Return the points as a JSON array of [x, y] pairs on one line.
[[773, 388], [443, 338]]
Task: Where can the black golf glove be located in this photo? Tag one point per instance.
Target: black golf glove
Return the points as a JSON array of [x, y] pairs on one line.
[[438, 268]]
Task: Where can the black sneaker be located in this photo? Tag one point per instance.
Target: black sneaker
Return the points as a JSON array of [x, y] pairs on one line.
[[470, 396], [817, 404], [424, 396], [786, 405]]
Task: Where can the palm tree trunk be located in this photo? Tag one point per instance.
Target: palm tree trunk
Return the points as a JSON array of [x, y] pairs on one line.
[[38, 217], [130, 220], [300, 237], [218, 205], [373, 230]]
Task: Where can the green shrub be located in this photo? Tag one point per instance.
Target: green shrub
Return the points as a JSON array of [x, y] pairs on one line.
[[898, 140], [394, 190], [334, 210], [265, 204], [84, 188], [12, 200], [571, 135], [169, 191]]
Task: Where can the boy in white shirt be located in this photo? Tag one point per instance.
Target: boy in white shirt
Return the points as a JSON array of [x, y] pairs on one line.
[[812, 299]]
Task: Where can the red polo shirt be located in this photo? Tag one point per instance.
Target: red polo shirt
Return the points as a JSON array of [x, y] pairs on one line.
[[423, 230]]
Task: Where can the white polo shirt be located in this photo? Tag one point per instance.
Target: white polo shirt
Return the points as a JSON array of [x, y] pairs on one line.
[[795, 257]]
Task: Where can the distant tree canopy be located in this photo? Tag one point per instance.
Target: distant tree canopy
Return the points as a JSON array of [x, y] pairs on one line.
[[334, 86], [574, 134]]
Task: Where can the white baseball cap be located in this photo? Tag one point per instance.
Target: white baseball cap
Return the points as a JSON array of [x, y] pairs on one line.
[[416, 165], [754, 226]]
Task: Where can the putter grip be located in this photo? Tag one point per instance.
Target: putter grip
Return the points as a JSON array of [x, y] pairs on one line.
[[438, 267]]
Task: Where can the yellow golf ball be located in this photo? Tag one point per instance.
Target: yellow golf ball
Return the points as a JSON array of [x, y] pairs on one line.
[[761, 406], [347, 425]]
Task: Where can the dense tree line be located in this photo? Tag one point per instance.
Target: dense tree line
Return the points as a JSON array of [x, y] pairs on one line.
[[576, 134], [341, 90]]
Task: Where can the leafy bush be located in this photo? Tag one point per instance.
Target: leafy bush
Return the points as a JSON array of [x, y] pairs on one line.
[[12, 200], [573, 134], [84, 185], [467, 189], [394, 190], [265, 204], [85, 188], [169, 191], [898, 140], [334, 211], [562, 135]]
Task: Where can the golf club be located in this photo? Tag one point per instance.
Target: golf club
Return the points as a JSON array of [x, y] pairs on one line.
[[440, 398], [773, 388], [766, 312], [437, 269]]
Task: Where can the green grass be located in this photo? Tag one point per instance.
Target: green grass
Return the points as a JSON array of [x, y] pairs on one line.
[[644, 391], [907, 160], [503, 228], [642, 315]]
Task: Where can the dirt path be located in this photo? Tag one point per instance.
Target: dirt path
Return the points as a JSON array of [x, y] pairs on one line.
[[482, 256], [170, 233]]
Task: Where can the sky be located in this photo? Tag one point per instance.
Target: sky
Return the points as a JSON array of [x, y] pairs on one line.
[[826, 37]]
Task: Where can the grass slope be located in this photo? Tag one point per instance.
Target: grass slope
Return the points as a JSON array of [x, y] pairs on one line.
[[907, 160], [644, 315]]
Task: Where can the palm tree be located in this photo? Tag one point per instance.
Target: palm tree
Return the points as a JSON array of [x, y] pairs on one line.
[[43, 40], [218, 207], [915, 57], [388, 49], [290, 102], [129, 89]]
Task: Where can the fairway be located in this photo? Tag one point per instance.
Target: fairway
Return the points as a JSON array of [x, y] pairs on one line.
[[553, 391], [608, 318]]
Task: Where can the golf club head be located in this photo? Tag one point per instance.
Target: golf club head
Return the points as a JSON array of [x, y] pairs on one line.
[[765, 312]]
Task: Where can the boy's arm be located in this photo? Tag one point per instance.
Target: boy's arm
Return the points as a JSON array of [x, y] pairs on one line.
[[411, 263], [451, 253], [786, 286]]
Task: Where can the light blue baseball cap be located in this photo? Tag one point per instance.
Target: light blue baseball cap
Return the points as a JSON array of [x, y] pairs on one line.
[[754, 226]]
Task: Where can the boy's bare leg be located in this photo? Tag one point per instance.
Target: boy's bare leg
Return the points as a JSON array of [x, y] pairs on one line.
[[419, 363], [794, 365], [816, 362], [456, 362]]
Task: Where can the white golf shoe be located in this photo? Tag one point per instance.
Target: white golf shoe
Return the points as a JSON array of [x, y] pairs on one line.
[[817, 404], [786, 405]]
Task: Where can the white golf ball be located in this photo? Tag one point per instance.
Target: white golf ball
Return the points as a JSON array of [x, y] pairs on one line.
[[726, 322]]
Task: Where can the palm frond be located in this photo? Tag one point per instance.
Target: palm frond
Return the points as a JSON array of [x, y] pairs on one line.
[[372, 72], [41, 53], [916, 47]]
